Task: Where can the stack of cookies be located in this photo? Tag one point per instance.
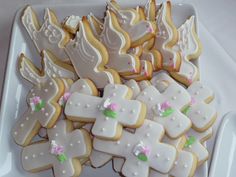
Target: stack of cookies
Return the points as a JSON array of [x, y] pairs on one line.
[[122, 88]]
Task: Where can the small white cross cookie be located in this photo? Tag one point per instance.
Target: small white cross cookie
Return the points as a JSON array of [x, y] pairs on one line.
[[141, 150], [199, 111], [62, 152], [42, 99], [49, 35], [195, 145], [165, 108], [185, 163], [109, 113], [201, 114]]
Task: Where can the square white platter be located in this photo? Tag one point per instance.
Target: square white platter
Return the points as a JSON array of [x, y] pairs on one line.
[[15, 88]]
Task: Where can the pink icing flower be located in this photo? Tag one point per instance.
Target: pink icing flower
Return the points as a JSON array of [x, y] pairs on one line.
[[165, 105], [146, 150], [66, 96], [36, 100], [113, 106], [56, 149]]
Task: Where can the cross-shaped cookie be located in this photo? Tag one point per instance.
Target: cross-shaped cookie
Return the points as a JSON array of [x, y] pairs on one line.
[[141, 150], [109, 113], [166, 108], [62, 152]]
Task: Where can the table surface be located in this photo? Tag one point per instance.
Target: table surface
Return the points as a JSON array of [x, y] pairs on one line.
[[217, 33]]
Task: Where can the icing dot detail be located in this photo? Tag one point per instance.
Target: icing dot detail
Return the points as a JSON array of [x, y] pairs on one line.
[[87, 106], [106, 118], [71, 144], [26, 157], [41, 153], [46, 90], [70, 103], [173, 97], [64, 171], [50, 83], [128, 145], [15, 133], [198, 112], [33, 155], [149, 125], [196, 93], [150, 98], [157, 155], [132, 111], [147, 134], [103, 129], [122, 110], [144, 93], [46, 114], [27, 118], [77, 104], [173, 118], [167, 159], [56, 134], [83, 86], [118, 142], [21, 125], [176, 163], [135, 173], [78, 142], [185, 166]]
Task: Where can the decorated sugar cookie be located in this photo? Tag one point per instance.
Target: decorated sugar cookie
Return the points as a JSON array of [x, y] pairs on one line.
[[199, 111], [71, 23], [62, 152], [109, 113], [166, 108], [185, 164], [190, 48], [137, 51], [89, 56], [144, 84], [117, 42], [49, 35], [166, 38], [95, 24], [141, 150], [43, 109], [138, 30], [195, 145], [134, 87], [145, 72], [149, 52]]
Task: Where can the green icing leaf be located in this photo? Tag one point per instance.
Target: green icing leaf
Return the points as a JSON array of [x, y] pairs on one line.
[[167, 112], [109, 113], [186, 110], [39, 106], [190, 141], [62, 158], [142, 157]]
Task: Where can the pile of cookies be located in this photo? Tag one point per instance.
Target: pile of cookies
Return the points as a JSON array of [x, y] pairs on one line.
[[122, 88]]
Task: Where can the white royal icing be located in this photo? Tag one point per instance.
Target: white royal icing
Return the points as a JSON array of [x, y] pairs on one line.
[[115, 42], [46, 87], [164, 37], [134, 87], [87, 59], [49, 36], [136, 29], [197, 147], [74, 145], [145, 141], [91, 109], [72, 22], [174, 98], [92, 19], [188, 45]]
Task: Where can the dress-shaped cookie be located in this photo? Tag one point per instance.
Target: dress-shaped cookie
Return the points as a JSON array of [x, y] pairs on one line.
[[166, 38], [49, 35], [190, 49], [43, 108], [166, 108], [62, 152], [138, 30], [141, 150], [117, 42], [108, 113], [89, 57]]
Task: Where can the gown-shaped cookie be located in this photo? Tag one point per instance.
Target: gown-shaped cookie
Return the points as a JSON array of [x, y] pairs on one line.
[[166, 108], [166, 38], [89, 56], [62, 152], [109, 113], [49, 35], [190, 49], [141, 150], [138, 30], [43, 109], [117, 42]]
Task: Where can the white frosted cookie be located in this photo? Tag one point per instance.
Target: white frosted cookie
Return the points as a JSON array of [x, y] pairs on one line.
[[166, 108], [138, 30], [194, 144], [89, 56], [166, 38], [117, 42], [108, 113], [43, 109], [185, 163], [190, 48], [71, 23], [141, 150], [62, 152], [134, 87], [199, 111], [49, 35]]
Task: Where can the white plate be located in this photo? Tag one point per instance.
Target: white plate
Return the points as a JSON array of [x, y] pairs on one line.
[[15, 88], [224, 157]]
